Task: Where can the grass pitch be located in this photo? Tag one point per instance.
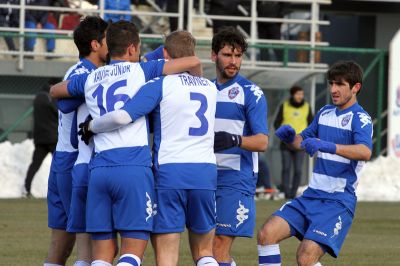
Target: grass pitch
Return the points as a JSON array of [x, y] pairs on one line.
[[374, 238]]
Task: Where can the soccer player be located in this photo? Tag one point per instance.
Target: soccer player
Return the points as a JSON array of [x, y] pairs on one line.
[[184, 160], [341, 136], [241, 132], [89, 38], [121, 186]]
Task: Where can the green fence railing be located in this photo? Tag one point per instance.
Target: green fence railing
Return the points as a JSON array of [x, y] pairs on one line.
[[378, 62]]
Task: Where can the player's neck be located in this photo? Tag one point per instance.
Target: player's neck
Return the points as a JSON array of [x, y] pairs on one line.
[[95, 60]]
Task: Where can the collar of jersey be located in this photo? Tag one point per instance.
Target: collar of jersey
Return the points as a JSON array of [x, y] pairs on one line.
[[340, 112], [228, 83], [112, 62], [88, 64]]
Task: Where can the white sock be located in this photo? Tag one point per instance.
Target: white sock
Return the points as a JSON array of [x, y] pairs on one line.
[[209, 261], [51, 264], [100, 263], [318, 264], [129, 260], [81, 263], [233, 263], [269, 255]]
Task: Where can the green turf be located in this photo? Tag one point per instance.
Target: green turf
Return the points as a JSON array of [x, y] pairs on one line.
[[373, 240]]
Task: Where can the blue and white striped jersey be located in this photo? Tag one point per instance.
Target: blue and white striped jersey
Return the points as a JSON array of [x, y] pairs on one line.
[[109, 88], [335, 177], [242, 110], [183, 121], [67, 144]]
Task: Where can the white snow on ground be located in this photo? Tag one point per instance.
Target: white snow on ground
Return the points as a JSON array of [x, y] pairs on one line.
[[379, 181]]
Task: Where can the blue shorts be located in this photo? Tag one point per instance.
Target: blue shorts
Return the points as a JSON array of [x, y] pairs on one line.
[[120, 198], [176, 208], [326, 222], [59, 199], [236, 213], [77, 213]]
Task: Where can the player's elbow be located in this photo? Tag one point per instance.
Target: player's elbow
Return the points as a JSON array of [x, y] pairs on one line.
[[263, 143], [367, 155]]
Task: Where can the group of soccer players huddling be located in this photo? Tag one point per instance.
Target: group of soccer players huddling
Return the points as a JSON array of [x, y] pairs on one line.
[[199, 169]]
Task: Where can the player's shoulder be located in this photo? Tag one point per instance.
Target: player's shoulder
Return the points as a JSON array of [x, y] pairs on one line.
[[155, 81], [81, 67], [244, 82], [326, 109], [361, 115]]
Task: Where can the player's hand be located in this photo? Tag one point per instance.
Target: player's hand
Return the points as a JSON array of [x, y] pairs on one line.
[[84, 131], [312, 145], [286, 133], [224, 140]]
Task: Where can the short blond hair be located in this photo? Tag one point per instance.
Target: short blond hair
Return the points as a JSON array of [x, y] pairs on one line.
[[180, 43]]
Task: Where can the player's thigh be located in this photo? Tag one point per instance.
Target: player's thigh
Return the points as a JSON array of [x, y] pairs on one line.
[[132, 188], [170, 214], [235, 213], [295, 214], [115, 189], [201, 211], [57, 201], [77, 213], [330, 222]]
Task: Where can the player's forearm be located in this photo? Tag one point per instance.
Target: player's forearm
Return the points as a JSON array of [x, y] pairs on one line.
[[357, 152], [257, 142], [295, 145], [110, 121], [60, 90]]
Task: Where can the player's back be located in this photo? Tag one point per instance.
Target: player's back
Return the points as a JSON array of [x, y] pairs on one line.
[[109, 88], [184, 133]]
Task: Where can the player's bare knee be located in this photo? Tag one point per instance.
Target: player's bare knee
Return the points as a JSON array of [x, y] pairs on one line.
[[267, 234], [307, 255], [306, 259]]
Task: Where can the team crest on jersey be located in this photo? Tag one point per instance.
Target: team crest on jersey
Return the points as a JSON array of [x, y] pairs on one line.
[[233, 92], [346, 120]]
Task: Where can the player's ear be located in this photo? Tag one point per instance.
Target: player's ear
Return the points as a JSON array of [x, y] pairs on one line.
[[213, 56], [94, 45], [356, 88], [166, 54]]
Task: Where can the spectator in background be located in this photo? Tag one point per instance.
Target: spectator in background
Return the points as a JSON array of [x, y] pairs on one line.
[[45, 123], [295, 112], [121, 5], [227, 8], [38, 19], [9, 17], [267, 30]]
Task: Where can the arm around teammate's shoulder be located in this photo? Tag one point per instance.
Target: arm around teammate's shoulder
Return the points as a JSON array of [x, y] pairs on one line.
[[190, 64], [60, 90]]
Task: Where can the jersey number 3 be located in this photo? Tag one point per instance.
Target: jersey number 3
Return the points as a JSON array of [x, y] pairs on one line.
[[202, 130]]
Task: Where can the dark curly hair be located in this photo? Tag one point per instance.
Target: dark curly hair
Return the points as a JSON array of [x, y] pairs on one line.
[[228, 36]]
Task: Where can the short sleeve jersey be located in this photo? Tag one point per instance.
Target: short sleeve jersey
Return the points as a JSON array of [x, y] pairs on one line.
[[335, 177], [66, 149], [106, 89], [242, 110]]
